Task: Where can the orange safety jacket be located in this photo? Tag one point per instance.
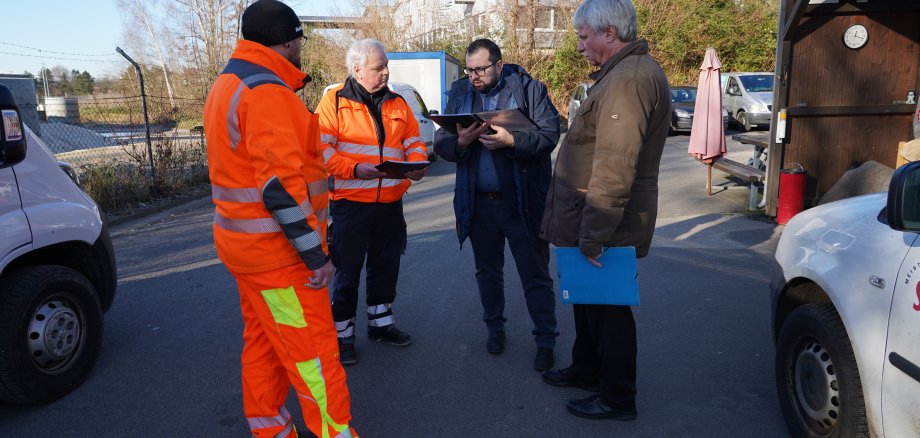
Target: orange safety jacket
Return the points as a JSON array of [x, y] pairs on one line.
[[349, 136], [268, 181]]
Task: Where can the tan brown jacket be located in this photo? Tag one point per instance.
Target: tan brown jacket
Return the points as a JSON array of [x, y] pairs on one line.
[[605, 186]]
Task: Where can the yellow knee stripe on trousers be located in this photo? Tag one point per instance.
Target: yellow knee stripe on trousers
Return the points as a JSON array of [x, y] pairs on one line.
[[285, 306], [311, 372]]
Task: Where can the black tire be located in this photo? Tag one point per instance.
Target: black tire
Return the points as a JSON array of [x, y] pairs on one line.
[[50, 333], [432, 157], [743, 121], [817, 379]]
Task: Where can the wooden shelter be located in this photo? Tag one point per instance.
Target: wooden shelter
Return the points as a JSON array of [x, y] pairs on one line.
[[843, 74]]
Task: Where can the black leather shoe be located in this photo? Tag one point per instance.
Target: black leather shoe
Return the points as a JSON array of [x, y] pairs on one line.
[[389, 334], [347, 353], [566, 378], [594, 408], [544, 359], [495, 343]]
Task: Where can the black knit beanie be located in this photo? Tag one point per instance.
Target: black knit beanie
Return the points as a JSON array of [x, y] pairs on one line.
[[270, 22]]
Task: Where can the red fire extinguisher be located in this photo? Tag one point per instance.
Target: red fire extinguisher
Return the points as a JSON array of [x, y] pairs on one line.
[[791, 193]]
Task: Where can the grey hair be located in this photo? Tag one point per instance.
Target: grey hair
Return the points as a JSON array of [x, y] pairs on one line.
[[598, 14], [357, 53]]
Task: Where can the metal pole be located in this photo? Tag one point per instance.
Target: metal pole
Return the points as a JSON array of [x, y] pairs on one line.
[[140, 75]]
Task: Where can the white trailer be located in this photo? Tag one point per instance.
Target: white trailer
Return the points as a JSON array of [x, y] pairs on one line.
[[431, 73]]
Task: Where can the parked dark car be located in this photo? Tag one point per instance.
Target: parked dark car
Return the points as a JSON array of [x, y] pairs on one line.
[[683, 100]]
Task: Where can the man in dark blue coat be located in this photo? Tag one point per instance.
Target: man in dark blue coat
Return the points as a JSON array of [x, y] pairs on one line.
[[500, 192]]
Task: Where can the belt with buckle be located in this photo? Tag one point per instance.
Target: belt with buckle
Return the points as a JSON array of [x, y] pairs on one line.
[[490, 195]]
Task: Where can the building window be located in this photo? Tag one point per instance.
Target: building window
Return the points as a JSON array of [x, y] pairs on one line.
[[545, 17]]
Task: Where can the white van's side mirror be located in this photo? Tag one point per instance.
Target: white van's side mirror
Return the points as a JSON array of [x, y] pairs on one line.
[[12, 134], [903, 208]]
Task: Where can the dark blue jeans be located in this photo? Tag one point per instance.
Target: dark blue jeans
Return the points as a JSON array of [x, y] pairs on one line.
[[493, 223]]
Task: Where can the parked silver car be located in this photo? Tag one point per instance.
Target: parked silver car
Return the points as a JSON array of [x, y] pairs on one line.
[[748, 98]]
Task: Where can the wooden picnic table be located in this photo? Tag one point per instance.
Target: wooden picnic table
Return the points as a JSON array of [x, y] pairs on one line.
[[758, 139]]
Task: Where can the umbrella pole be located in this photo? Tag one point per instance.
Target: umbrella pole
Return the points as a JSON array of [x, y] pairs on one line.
[[709, 178]]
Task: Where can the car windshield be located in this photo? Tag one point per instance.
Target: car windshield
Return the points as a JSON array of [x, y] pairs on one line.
[[757, 83], [683, 95]]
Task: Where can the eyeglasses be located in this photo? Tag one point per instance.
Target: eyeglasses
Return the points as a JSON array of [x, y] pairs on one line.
[[303, 40], [478, 70]]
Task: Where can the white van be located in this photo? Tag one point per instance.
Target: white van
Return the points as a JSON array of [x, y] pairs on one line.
[[748, 98], [419, 109], [57, 269]]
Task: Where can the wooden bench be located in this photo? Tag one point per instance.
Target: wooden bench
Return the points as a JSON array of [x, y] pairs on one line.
[[746, 173]]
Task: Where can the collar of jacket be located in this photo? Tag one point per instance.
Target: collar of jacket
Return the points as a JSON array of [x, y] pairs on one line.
[[260, 55], [348, 92], [637, 47]]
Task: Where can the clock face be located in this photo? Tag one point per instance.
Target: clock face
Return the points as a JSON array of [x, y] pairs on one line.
[[855, 36]]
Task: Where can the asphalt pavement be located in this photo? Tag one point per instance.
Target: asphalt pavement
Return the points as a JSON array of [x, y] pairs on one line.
[[170, 359]]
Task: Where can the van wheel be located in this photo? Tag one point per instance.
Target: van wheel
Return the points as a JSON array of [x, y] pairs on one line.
[[743, 121], [820, 392], [50, 333], [432, 157]]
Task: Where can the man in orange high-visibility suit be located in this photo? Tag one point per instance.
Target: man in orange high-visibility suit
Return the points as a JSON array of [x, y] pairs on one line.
[[363, 124], [271, 195]]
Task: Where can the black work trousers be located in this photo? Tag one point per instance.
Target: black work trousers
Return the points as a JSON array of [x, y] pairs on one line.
[[493, 222], [605, 346], [371, 231]]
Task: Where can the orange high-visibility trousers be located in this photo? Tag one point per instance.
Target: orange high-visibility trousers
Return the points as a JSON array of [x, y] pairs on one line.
[[289, 339]]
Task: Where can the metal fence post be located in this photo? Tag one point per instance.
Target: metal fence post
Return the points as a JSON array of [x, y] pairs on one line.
[[140, 75]]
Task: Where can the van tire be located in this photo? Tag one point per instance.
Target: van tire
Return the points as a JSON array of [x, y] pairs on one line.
[[820, 392], [33, 299], [743, 121]]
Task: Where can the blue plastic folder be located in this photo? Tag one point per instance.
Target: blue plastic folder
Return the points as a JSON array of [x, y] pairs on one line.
[[616, 282]]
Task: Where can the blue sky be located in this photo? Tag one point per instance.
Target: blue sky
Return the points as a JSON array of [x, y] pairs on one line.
[[77, 29]]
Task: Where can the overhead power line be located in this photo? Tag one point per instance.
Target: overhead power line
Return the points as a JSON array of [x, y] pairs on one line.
[[62, 58], [58, 53]]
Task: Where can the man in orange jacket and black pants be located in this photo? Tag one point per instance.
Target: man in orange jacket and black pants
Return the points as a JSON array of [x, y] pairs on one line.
[[363, 124], [271, 195]]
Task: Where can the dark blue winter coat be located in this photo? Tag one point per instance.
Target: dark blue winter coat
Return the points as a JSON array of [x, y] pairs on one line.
[[530, 155]]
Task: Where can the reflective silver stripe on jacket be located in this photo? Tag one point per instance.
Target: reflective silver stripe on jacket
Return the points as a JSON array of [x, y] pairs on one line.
[[306, 242], [328, 138], [293, 214], [233, 121], [408, 142], [344, 184], [252, 226], [358, 149], [327, 154], [228, 194], [318, 188], [419, 150], [283, 418]]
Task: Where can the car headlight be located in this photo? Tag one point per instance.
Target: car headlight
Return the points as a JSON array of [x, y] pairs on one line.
[[759, 107], [682, 114]]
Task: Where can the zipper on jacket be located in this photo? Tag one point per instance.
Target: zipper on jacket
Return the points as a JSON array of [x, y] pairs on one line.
[[379, 148]]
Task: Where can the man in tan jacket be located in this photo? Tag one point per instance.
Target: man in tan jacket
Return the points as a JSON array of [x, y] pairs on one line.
[[606, 183]]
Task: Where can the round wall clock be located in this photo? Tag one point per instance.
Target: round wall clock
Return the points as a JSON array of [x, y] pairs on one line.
[[856, 36]]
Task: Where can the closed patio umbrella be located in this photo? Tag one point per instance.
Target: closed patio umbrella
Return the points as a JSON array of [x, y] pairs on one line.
[[707, 134]]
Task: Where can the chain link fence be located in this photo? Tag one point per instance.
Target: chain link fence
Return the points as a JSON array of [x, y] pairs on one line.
[[105, 140]]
